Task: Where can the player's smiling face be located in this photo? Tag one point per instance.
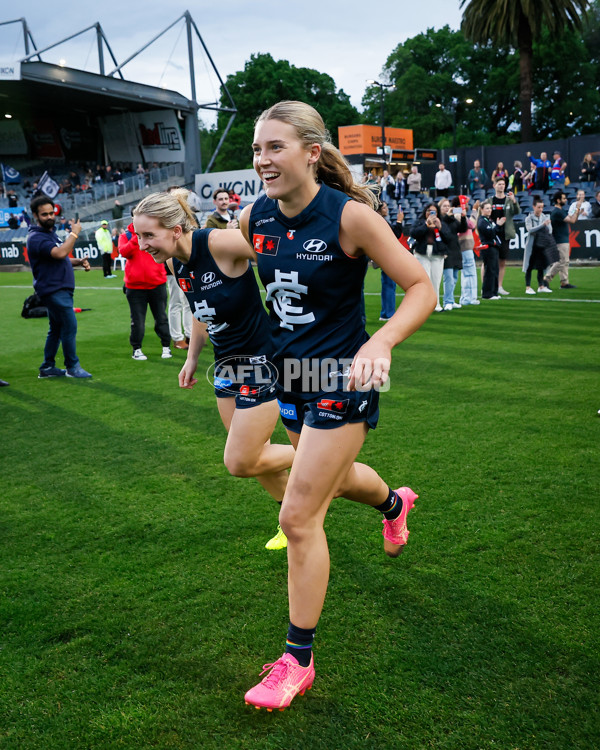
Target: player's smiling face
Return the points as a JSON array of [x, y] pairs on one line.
[[154, 239], [281, 160]]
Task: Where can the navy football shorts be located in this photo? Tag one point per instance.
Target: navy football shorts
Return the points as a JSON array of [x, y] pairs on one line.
[[326, 411], [251, 389]]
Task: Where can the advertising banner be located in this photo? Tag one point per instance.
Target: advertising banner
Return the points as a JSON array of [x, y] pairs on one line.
[[245, 182], [6, 212], [584, 238], [160, 136], [365, 139], [10, 71]]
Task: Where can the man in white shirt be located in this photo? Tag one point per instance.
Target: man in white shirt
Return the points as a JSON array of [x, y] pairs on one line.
[[580, 207], [443, 181]]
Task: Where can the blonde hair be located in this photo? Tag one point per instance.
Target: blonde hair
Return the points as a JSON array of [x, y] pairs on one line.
[[169, 209], [331, 168]]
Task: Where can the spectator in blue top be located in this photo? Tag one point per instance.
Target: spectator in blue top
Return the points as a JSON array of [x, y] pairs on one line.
[[543, 168], [54, 282]]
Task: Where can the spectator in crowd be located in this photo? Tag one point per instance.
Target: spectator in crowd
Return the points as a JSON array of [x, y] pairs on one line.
[[468, 275], [477, 177], [490, 242], [533, 258], [13, 201], [456, 221], [503, 205], [117, 214], [399, 187], [388, 287], [387, 186], [105, 245], [589, 169], [581, 207], [560, 221], [499, 173], [413, 181], [557, 174], [54, 283], [443, 181], [543, 168], [145, 284], [221, 218], [141, 176], [596, 206], [234, 201], [431, 246], [517, 178]]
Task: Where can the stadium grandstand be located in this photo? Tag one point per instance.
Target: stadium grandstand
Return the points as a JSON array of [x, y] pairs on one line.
[[93, 138]]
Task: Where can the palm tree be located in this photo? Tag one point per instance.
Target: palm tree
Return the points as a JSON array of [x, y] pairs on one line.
[[518, 23]]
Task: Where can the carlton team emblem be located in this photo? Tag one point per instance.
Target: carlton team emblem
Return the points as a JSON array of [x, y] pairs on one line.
[[185, 285], [266, 244]]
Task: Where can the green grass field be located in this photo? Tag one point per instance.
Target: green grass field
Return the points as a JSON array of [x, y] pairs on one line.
[[137, 603]]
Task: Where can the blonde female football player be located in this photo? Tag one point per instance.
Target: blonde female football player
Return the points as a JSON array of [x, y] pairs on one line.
[[313, 232]]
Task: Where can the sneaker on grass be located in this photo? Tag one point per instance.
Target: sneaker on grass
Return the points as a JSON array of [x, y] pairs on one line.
[[285, 680], [78, 372], [51, 372], [166, 353], [279, 541], [395, 533], [138, 354]]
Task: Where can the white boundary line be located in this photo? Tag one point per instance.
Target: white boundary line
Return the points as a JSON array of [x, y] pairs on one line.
[[367, 294]]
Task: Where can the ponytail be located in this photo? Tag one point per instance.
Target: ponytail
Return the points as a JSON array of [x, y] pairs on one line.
[[331, 168]]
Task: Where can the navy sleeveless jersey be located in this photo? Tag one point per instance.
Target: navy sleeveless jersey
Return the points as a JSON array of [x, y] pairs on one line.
[[236, 320], [313, 288]]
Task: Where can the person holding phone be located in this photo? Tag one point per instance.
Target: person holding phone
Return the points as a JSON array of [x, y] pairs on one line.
[[456, 221], [431, 246], [504, 205], [54, 282]]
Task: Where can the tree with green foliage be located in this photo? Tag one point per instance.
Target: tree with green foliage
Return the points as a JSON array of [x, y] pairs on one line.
[[519, 23], [442, 67], [263, 82]]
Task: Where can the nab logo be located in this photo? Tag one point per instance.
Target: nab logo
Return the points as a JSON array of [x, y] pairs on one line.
[[315, 246], [208, 277]]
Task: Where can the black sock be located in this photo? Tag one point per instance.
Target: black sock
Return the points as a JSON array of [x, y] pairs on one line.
[[299, 644], [392, 507]]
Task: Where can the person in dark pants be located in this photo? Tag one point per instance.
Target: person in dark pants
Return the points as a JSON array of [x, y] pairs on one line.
[[145, 284], [490, 242], [54, 282]]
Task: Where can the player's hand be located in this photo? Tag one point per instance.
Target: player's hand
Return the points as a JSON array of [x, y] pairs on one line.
[[186, 375], [370, 367], [86, 265], [75, 226]]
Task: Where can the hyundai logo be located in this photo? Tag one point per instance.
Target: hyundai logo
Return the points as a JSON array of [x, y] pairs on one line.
[[315, 246], [208, 277]]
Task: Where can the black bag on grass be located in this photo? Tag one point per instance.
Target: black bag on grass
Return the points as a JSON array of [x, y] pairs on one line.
[[33, 308]]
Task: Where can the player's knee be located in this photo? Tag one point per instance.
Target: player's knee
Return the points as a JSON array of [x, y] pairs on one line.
[[239, 465]]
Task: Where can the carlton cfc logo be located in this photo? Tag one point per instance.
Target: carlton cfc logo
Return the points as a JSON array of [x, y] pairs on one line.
[[208, 277], [315, 246]]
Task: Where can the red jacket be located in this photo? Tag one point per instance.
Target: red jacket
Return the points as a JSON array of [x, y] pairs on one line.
[[141, 272]]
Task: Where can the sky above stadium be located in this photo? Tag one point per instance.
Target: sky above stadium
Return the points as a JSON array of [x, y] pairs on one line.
[[348, 39]]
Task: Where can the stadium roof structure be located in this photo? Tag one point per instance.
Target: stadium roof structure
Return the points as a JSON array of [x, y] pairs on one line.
[[40, 88]]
